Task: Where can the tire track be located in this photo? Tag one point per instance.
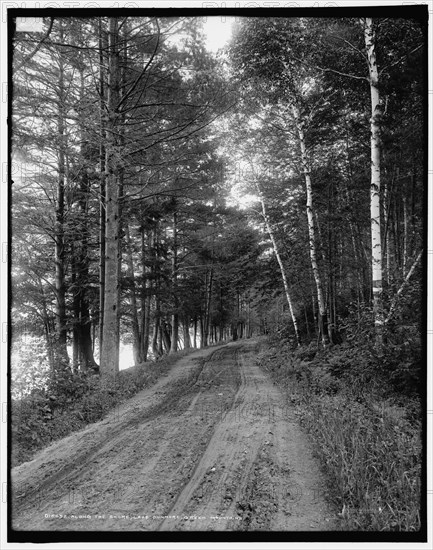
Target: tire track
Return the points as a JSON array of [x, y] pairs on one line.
[[198, 475], [210, 448], [93, 443], [222, 475]]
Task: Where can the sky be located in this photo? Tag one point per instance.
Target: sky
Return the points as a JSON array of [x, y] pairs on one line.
[[218, 31]]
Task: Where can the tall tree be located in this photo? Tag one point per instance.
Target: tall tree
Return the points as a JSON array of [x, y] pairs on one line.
[[272, 60], [61, 348], [110, 338], [376, 235], [280, 264]]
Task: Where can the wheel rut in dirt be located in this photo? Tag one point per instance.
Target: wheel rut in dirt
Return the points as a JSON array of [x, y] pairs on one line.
[[214, 446]]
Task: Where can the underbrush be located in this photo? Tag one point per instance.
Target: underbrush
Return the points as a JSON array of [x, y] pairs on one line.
[[72, 401], [366, 433]]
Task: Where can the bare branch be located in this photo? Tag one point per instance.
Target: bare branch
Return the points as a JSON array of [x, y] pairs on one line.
[[38, 46], [361, 52], [342, 74], [143, 72], [327, 70], [401, 59], [404, 284]]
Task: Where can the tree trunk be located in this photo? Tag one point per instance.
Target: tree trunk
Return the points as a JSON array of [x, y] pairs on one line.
[[222, 318], [332, 253], [405, 236], [248, 322], [376, 245], [62, 359], [194, 343], [186, 337], [203, 336], [156, 329], [402, 287], [175, 314], [102, 199], [136, 336], [146, 299], [323, 321], [206, 322], [356, 255], [110, 338], [387, 240], [48, 329], [165, 336], [307, 325], [145, 328], [281, 265], [80, 261], [156, 348], [75, 310], [86, 357]]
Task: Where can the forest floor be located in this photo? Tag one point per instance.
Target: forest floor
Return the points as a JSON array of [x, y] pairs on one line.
[[213, 445]]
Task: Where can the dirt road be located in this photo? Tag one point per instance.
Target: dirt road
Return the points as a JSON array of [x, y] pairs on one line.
[[212, 446]]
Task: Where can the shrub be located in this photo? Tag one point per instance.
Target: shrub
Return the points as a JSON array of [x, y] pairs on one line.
[[369, 445], [68, 401], [372, 460]]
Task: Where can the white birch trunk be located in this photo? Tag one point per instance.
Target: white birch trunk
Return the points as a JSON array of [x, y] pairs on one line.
[[376, 246], [402, 287], [404, 236], [311, 226], [281, 265], [386, 231]]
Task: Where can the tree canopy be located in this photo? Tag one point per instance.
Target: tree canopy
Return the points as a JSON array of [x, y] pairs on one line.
[[134, 142]]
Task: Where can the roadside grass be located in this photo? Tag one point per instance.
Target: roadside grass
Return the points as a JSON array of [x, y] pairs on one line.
[[369, 444], [73, 401]]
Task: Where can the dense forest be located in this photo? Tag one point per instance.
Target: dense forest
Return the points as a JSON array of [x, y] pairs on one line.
[[167, 197]]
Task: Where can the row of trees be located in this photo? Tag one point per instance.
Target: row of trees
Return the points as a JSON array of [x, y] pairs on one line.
[[127, 136], [119, 225], [312, 92]]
